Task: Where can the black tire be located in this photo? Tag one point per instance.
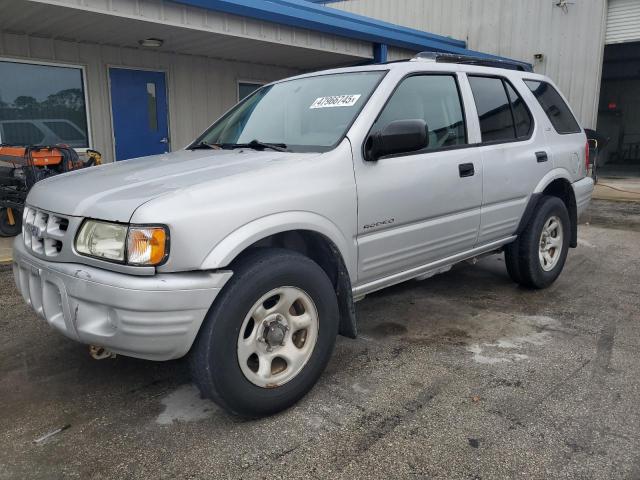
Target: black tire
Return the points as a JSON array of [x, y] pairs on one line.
[[214, 358], [6, 229], [512, 262], [523, 263]]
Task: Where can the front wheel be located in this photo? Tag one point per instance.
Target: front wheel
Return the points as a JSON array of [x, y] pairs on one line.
[[537, 257], [269, 335]]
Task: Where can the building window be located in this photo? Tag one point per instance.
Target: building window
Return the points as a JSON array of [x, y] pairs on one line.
[[42, 105], [247, 88]]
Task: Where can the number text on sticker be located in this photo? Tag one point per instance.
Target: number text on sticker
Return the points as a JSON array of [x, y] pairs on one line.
[[335, 101]]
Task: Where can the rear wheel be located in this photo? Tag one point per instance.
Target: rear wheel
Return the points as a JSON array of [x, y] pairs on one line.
[[269, 335], [537, 257]]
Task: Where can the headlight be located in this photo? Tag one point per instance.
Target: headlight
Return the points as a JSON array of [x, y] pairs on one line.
[[135, 245]]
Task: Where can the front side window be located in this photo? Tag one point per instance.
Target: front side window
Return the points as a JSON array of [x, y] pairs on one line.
[[554, 106], [42, 104], [434, 99], [306, 114]]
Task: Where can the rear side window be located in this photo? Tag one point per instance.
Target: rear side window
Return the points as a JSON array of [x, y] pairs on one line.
[[502, 113], [434, 99], [554, 106]]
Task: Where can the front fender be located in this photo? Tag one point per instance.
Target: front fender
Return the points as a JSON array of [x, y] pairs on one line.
[[237, 241]]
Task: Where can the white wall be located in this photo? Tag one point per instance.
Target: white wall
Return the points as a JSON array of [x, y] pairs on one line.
[[572, 42], [200, 88]]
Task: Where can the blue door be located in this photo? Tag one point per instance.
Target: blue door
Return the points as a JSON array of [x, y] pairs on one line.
[[139, 109]]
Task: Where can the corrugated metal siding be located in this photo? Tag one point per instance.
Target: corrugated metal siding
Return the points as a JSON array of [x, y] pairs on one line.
[[623, 21], [572, 42], [200, 89], [166, 12]]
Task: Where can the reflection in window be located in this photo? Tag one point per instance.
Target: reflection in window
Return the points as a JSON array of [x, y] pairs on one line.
[[42, 104], [434, 99], [152, 106]]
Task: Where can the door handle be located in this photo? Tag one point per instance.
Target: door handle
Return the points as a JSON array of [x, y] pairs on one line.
[[466, 170], [541, 157], [164, 140]]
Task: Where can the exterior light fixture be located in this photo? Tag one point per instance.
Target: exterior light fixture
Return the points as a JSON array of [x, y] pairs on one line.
[[151, 42]]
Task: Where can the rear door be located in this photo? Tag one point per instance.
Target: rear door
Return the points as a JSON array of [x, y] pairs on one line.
[[513, 150], [419, 207]]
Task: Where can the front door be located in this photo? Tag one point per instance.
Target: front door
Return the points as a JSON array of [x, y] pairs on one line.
[[419, 207], [139, 109]]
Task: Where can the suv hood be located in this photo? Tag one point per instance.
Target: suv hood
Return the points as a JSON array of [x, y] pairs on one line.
[[115, 190]]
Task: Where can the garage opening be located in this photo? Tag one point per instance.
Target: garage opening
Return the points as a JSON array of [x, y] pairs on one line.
[[619, 110]]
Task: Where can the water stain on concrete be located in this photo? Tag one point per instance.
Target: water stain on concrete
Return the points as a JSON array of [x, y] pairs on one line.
[[185, 405]]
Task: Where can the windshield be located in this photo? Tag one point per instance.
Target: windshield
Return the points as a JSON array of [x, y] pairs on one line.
[[307, 114]]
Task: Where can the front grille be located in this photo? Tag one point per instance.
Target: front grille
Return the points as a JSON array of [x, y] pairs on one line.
[[44, 233]]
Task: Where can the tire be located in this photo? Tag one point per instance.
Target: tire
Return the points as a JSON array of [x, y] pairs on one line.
[[524, 258], [215, 358], [6, 229], [512, 262]]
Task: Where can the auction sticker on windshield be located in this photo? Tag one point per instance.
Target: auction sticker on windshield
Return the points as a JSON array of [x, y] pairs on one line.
[[335, 101]]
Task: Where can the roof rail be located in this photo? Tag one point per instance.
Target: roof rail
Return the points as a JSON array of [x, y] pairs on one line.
[[441, 57]]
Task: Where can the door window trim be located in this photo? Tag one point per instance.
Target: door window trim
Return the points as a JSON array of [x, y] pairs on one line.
[[85, 89], [453, 74], [533, 126]]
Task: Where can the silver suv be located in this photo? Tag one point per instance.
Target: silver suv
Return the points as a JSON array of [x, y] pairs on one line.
[[247, 249]]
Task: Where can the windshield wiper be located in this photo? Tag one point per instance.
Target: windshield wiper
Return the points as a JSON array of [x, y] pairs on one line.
[[258, 145], [202, 145]]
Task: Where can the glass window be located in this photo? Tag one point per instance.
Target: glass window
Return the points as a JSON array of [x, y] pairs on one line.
[[494, 110], [247, 88], [554, 106], [521, 114], [31, 95], [152, 107], [306, 114], [65, 130], [434, 99]]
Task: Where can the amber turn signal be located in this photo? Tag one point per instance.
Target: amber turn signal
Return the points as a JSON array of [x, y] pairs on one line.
[[146, 245]]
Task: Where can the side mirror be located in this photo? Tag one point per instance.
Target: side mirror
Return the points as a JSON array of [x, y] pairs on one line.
[[399, 136]]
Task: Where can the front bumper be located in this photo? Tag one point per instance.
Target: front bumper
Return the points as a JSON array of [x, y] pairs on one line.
[[153, 317], [583, 189]]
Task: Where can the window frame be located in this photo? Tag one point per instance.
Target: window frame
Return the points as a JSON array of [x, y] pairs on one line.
[[258, 83], [456, 78], [504, 79], [85, 90], [566, 103]]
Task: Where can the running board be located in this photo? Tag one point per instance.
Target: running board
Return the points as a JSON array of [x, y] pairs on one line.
[[429, 269]]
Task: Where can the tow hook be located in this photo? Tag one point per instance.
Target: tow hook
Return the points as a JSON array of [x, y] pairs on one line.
[[100, 353]]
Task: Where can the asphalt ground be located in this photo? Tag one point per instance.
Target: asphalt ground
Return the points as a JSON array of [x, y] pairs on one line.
[[465, 375]]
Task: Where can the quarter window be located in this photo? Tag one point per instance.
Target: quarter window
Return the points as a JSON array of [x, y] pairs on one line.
[[42, 104], [434, 99], [554, 106]]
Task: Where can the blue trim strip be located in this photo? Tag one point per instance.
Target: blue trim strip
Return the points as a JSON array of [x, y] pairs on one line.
[[304, 14]]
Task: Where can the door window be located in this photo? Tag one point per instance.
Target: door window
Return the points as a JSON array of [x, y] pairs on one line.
[[434, 99], [554, 106], [502, 112]]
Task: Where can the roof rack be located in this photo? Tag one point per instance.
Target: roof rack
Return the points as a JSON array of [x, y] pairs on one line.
[[441, 57]]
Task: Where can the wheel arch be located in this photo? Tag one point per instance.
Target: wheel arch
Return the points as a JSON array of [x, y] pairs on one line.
[[557, 183], [309, 234]]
